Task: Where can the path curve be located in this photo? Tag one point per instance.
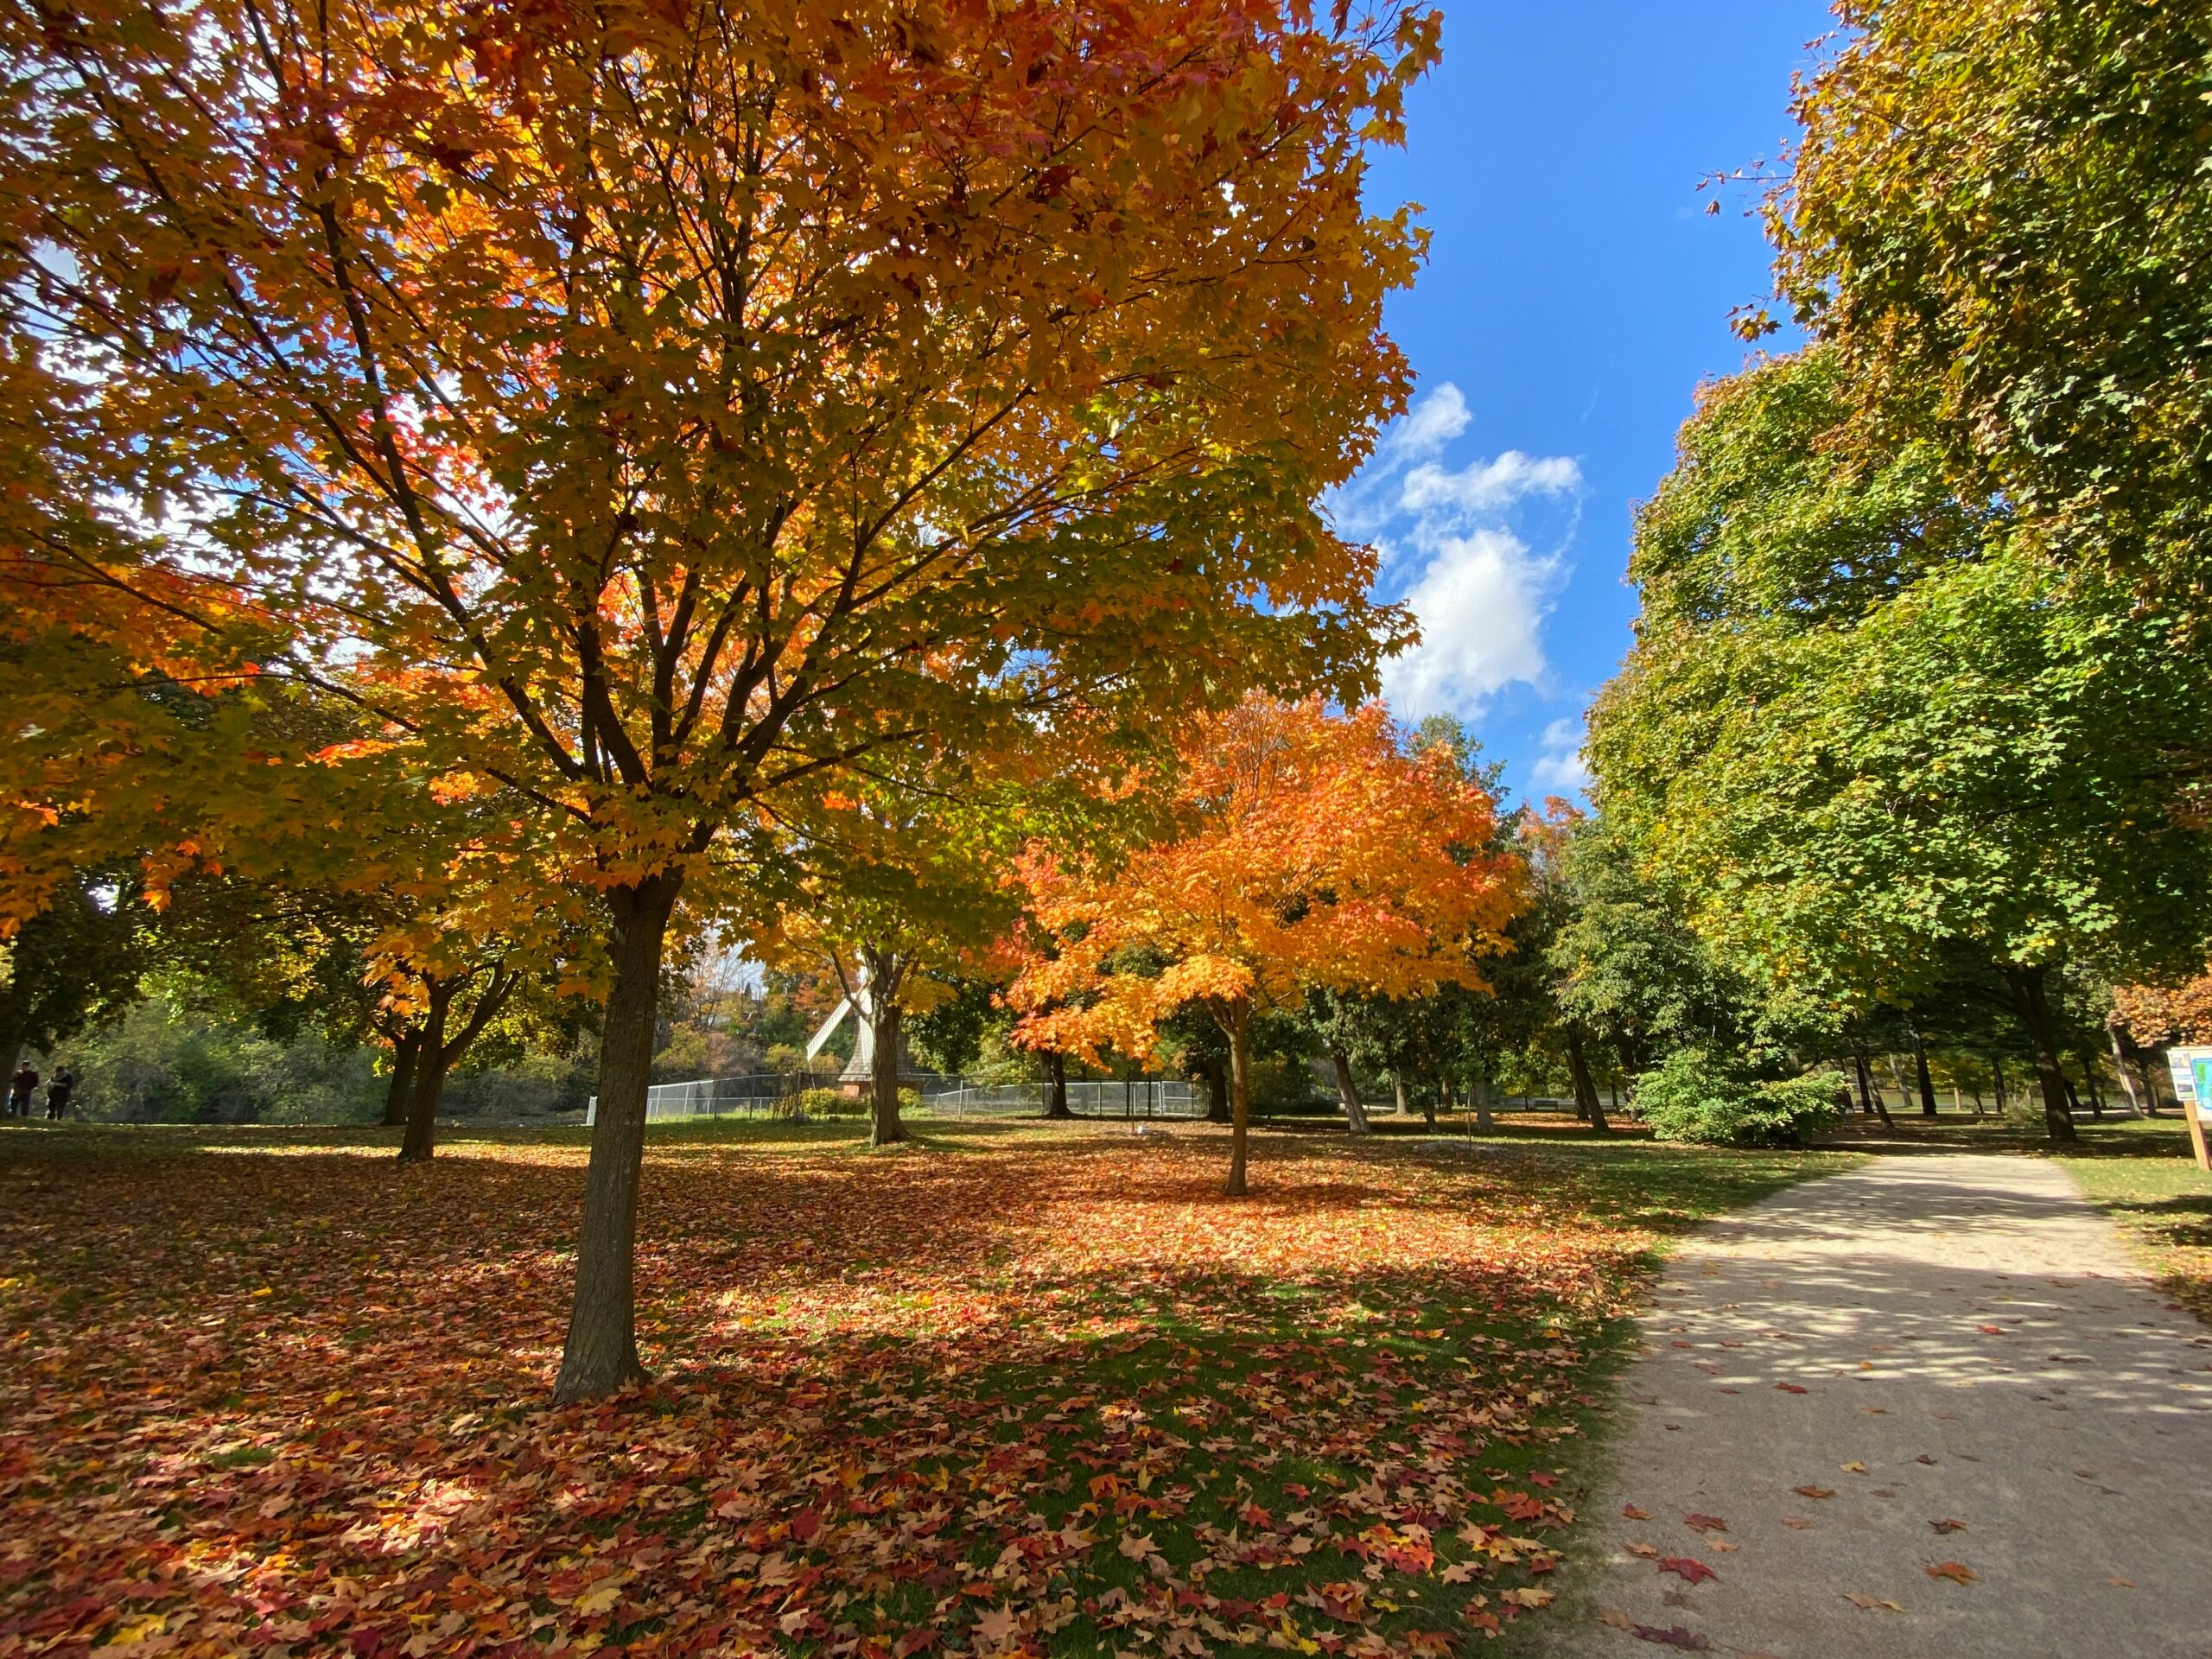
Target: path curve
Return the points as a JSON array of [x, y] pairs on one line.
[[1936, 1339]]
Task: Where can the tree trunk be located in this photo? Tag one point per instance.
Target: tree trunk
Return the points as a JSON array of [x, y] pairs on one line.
[[1920, 1072], [884, 1128], [1348, 1092], [1478, 1099], [1398, 1086], [421, 1139], [404, 1048], [2030, 998], [600, 1355], [2089, 1080], [1055, 1098], [1997, 1076], [1218, 1110], [2130, 1083], [1869, 1100], [1428, 1098], [1587, 1103], [1237, 1023]]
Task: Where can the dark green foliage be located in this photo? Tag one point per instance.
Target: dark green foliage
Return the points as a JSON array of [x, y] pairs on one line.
[[1706, 1098]]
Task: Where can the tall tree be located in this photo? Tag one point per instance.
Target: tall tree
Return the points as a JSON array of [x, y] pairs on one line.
[[1860, 732], [1311, 852], [652, 408], [1998, 212]]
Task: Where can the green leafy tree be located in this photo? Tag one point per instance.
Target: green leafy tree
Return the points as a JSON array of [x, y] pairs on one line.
[[1997, 213], [1861, 734]]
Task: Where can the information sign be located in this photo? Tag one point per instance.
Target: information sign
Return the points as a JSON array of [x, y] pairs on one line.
[[2191, 1069]]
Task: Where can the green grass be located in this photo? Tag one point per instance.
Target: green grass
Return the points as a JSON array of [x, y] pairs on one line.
[[2143, 1173]]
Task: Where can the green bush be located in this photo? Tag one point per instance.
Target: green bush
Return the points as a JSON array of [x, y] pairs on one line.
[[830, 1103], [1694, 1097]]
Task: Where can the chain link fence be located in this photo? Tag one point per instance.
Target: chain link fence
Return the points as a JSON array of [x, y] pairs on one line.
[[776, 1095]]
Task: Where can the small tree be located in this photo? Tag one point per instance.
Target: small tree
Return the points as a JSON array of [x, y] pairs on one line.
[[1311, 851]]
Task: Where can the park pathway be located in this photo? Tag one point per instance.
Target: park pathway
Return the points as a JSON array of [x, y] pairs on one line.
[[1938, 1362]]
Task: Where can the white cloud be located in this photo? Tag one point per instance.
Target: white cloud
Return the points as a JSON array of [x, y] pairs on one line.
[[1480, 601], [1561, 769], [1487, 487], [1453, 553]]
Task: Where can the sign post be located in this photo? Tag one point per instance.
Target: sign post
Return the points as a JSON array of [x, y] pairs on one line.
[[2191, 1069]]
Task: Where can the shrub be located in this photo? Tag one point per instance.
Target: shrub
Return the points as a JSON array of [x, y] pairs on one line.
[[831, 1102], [1694, 1097]]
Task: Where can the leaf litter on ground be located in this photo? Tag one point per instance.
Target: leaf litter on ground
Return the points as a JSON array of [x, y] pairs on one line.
[[270, 1392]]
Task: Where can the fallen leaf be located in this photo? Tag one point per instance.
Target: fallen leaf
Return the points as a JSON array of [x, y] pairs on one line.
[[1796, 1523], [1867, 1604], [1957, 1572], [1948, 1525], [1791, 1388], [1814, 1491], [2119, 1583], [1137, 1548], [1722, 1545], [1852, 1468], [1614, 1617], [1673, 1635], [1688, 1568], [1645, 1550], [1633, 1513], [1697, 1522]]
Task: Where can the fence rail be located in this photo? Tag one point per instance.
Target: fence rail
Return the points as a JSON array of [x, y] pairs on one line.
[[776, 1095]]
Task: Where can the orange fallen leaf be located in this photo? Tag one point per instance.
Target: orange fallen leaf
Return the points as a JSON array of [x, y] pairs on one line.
[[1957, 1572], [1633, 1513], [1852, 1468], [1814, 1491], [1948, 1525]]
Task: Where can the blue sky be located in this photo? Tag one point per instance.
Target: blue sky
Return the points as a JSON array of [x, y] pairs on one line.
[[1577, 292]]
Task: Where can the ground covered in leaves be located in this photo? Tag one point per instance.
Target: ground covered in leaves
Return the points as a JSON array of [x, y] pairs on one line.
[[1020, 1389]]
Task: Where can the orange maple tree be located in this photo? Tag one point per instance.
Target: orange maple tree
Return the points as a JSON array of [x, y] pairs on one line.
[[1313, 850], [643, 410]]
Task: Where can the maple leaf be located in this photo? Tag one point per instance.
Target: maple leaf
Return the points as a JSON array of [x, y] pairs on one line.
[[1814, 1491], [1957, 1572], [1136, 1546], [1686, 1568], [1791, 1388], [1704, 1522], [1673, 1636], [1634, 1513]]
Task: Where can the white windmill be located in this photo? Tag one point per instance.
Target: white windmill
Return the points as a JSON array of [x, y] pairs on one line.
[[859, 1074]]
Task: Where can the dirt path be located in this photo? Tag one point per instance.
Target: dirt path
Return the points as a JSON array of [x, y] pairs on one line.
[[1936, 1362]]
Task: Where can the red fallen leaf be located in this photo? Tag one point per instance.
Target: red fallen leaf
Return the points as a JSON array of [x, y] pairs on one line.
[[1992, 1330], [1813, 1492], [1705, 1524], [1544, 1480], [1633, 1513], [805, 1524], [1791, 1388], [1948, 1525], [1957, 1572], [1688, 1568], [1673, 1635]]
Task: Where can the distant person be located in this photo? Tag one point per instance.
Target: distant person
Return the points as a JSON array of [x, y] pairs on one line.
[[19, 1090], [58, 1088]]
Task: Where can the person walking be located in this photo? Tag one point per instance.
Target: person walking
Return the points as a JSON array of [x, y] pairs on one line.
[[19, 1090], [58, 1088]]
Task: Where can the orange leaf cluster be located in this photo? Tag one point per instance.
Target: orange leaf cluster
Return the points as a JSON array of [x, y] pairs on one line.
[[1312, 851]]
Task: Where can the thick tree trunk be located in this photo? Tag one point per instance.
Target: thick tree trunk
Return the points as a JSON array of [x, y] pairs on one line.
[[1478, 1099], [2030, 999], [1236, 1025], [1920, 1072], [404, 1048], [884, 1128], [1428, 1097], [421, 1139], [1398, 1088], [1587, 1103], [1348, 1092], [1056, 1097], [600, 1355], [2089, 1080], [1217, 1106]]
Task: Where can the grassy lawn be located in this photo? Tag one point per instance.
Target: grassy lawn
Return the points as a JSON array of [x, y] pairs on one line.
[[2143, 1174], [1022, 1387]]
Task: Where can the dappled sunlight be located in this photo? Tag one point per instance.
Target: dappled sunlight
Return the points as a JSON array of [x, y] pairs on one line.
[[294, 1389]]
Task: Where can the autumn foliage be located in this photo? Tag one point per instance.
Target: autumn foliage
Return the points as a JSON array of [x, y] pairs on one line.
[[1310, 851]]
